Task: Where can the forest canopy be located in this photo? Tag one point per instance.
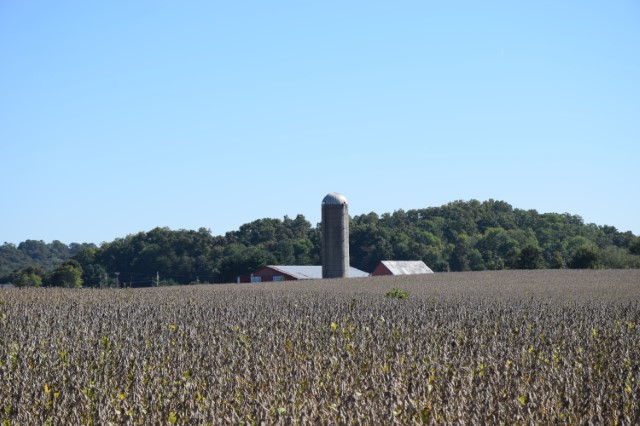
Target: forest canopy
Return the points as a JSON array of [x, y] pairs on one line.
[[459, 236]]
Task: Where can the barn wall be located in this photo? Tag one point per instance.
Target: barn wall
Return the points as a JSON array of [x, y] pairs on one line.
[[266, 274], [381, 270]]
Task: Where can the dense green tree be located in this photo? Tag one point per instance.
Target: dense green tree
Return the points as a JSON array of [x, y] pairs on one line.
[[556, 261], [30, 276], [618, 258], [497, 245], [368, 243], [69, 274], [93, 274], [243, 260], [476, 262], [303, 252], [35, 253], [402, 247], [437, 259], [531, 258], [11, 259], [585, 257], [36, 250], [571, 246], [461, 257]]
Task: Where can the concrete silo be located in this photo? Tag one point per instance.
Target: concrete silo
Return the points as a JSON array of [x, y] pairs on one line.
[[335, 236]]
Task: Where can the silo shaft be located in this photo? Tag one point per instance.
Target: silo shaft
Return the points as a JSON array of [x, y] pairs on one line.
[[335, 237]]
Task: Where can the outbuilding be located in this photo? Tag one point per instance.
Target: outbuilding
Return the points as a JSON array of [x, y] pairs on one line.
[[291, 273], [401, 267]]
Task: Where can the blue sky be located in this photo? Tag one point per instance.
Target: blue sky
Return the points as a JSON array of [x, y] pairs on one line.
[[117, 117]]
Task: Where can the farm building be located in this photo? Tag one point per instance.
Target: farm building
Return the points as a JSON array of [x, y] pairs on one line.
[[335, 236], [401, 267], [291, 273]]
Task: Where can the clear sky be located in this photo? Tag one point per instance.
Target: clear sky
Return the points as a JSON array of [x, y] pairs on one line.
[[120, 116]]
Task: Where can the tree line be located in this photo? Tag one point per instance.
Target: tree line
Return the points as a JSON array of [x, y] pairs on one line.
[[459, 236]]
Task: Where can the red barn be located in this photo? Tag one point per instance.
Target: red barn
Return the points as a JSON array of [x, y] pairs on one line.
[[401, 267], [291, 273]]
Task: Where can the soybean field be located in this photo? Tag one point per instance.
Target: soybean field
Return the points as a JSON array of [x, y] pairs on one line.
[[504, 347]]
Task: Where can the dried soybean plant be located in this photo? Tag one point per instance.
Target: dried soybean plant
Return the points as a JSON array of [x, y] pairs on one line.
[[512, 347]]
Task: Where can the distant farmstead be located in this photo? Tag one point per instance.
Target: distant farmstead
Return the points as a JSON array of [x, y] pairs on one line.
[[291, 273], [401, 267]]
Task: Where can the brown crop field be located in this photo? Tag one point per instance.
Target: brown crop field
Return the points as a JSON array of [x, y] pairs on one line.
[[509, 347]]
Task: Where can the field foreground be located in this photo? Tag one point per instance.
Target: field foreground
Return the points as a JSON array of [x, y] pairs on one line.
[[510, 347]]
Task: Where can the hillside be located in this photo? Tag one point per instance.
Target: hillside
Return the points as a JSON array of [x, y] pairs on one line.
[[459, 236], [37, 253]]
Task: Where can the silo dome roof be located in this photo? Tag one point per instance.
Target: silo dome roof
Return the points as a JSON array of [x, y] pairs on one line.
[[335, 198]]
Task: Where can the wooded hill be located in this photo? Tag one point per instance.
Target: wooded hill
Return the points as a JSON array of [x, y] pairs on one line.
[[459, 236]]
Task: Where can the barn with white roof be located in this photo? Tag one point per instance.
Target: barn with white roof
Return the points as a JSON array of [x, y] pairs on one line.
[[291, 273], [401, 267]]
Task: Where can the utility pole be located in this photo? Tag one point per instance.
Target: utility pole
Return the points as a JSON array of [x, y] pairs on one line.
[[117, 279]]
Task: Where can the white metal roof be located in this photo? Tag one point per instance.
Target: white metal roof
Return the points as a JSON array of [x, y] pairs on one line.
[[335, 198], [407, 267], [307, 272]]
